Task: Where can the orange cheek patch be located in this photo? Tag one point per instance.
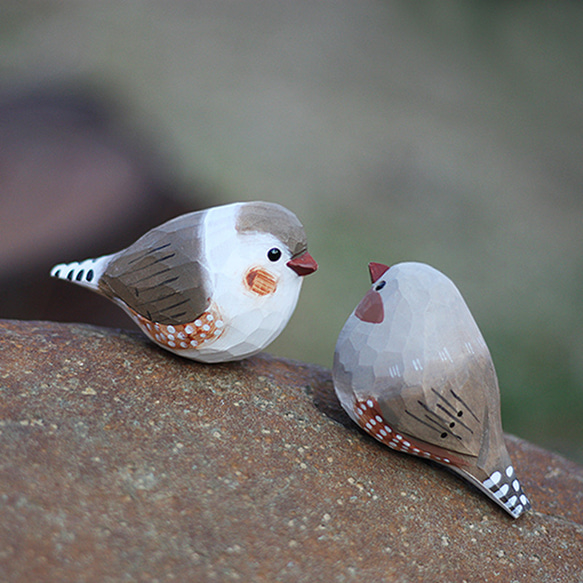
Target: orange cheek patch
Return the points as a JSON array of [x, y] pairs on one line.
[[260, 281]]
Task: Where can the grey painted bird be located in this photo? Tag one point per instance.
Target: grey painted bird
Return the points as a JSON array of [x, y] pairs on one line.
[[214, 285], [411, 368]]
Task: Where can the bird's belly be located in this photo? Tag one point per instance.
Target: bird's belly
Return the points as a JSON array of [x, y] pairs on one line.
[[203, 331], [215, 336], [245, 334]]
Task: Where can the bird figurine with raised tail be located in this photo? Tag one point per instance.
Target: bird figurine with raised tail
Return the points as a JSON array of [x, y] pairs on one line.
[[412, 369], [214, 285]]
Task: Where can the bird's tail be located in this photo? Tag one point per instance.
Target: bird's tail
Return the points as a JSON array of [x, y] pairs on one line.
[[86, 273], [503, 487]]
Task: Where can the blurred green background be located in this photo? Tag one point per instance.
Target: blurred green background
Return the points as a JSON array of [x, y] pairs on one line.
[[444, 132]]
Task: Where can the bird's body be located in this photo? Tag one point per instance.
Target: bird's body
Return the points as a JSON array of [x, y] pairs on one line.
[[412, 369], [213, 285]]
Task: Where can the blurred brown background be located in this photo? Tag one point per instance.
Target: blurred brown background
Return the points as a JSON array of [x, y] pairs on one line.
[[443, 132]]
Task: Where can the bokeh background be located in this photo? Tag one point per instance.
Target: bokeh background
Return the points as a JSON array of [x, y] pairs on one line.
[[444, 132]]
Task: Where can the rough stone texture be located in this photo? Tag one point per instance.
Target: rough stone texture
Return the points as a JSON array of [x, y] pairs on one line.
[[121, 462]]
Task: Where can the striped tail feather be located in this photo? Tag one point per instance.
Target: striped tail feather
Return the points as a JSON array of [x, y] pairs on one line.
[[503, 487], [85, 273], [506, 489]]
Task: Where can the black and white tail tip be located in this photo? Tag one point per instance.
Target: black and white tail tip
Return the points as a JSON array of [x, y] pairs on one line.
[[85, 273], [506, 489]]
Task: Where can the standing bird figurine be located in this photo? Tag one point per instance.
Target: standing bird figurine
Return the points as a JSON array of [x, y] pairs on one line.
[[412, 369], [214, 286]]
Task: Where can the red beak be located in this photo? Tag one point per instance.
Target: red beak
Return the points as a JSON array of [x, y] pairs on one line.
[[303, 264], [376, 270]]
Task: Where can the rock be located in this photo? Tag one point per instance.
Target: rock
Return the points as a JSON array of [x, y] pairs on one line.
[[122, 462]]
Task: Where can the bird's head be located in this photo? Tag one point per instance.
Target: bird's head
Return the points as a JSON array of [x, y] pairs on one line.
[[274, 246], [371, 308]]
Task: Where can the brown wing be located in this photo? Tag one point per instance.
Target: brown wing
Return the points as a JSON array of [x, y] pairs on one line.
[[448, 410], [162, 276]]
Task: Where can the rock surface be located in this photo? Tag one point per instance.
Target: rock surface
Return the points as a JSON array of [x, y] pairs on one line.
[[121, 462]]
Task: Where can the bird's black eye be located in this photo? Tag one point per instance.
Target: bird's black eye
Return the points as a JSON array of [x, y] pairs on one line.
[[380, 285], [274, 254]]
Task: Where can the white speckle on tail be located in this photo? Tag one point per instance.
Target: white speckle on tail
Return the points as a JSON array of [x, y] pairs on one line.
[[503, 491], [493, 480]]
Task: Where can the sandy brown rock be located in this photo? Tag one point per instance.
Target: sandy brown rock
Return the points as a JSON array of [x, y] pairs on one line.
[[120, 462]]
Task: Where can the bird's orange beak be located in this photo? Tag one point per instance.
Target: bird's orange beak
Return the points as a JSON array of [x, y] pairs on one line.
[[303, 264]]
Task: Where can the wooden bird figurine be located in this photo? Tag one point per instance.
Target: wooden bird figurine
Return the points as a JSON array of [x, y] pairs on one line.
[[412, 369], [214, 285]]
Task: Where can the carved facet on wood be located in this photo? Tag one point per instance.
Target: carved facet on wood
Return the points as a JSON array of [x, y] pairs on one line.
[[411, 367]]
